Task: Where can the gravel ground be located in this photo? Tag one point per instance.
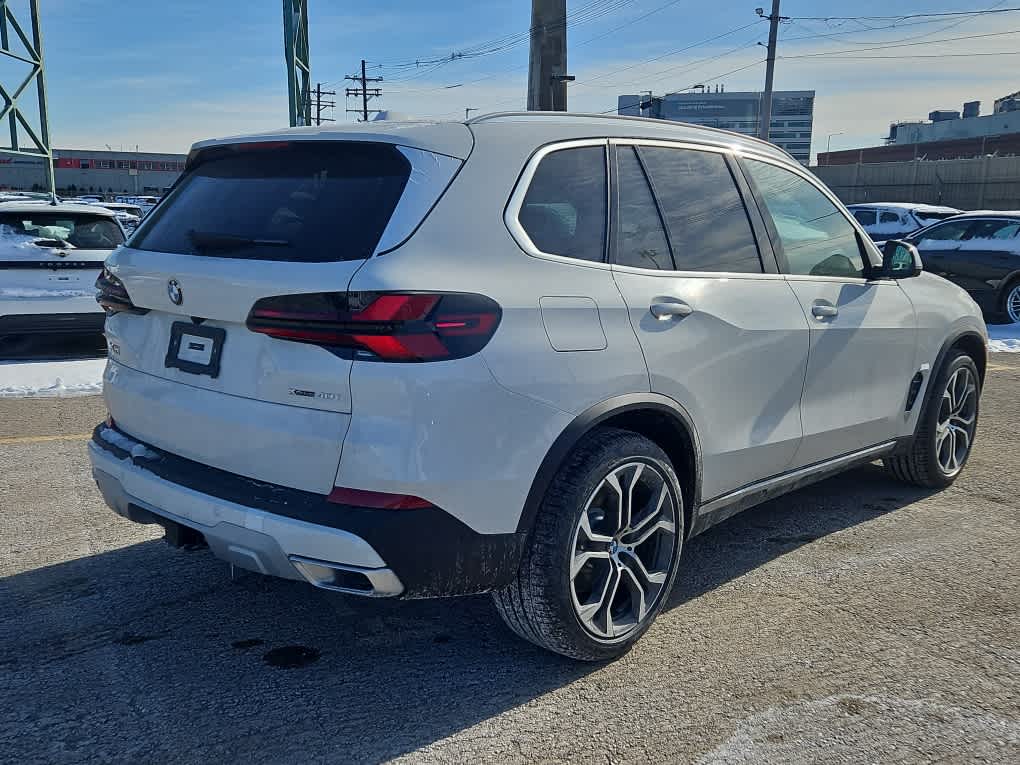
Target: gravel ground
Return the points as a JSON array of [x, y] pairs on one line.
[[854, 621]]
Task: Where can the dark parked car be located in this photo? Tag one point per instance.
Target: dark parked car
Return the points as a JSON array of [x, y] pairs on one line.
[[979, 251]]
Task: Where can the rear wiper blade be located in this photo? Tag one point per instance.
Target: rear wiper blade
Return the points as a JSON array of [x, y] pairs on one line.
[[206, 240]]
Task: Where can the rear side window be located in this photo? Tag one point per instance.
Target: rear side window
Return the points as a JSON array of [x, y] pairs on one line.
[[889, 217], [947, 232], [866, 217], [302, 201], [705, 217], [564, 210], [86, 232], [640, 236]]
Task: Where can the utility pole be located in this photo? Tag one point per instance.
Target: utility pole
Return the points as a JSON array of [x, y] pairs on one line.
[[547, 62], [295, 50], [774, 18], [319, 104], [364, 92]]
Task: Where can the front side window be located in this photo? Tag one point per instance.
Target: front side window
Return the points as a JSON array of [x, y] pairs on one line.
[[705, 217], [816, 238], [953, 231], [866, 217], [564, 210], [640, 237]]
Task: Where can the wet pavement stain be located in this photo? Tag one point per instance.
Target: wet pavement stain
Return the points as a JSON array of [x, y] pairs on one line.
[[243, 645], [291, 656], [129, 639]]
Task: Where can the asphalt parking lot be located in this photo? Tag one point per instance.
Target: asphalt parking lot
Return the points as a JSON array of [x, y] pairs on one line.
[[857, 620]]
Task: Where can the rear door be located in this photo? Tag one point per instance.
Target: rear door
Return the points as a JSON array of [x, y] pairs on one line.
[[721, 331], [863, 331], [987, 258], [248, 223]]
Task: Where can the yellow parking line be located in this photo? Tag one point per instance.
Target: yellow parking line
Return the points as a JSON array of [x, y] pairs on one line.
[[42, 439], [998, 367]]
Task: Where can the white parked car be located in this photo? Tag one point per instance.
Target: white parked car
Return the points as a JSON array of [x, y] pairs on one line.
[[529, 354], [129, 215], [50, 256], [894, 220]]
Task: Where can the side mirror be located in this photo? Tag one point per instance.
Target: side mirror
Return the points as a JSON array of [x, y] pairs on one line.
[[900, 260]]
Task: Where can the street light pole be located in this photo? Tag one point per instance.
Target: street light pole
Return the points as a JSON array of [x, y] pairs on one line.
[[828, 144]]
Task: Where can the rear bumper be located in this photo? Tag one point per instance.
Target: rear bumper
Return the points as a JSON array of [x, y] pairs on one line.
[[52, 323], [299, 535]]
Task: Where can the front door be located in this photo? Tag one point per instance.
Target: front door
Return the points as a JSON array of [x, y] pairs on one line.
[[721, 332], [863, 331]]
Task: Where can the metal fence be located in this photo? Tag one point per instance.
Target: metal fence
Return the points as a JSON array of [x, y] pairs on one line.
[[983, 183]]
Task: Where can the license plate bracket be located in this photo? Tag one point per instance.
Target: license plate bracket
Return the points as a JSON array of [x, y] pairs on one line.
[[195, 349]]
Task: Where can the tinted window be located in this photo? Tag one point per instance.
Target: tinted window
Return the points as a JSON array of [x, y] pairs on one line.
[[305, 201], [564, 211], [953, 231], [889, 217], [86, 232], [708, 226], [866, 217], [816, 237], [640, 238], [994, 229]]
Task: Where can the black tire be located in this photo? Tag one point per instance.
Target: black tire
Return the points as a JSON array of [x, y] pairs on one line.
[[538, 605], [920, 465]]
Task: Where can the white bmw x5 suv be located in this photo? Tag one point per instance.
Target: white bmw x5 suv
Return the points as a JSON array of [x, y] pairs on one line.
[[528, 354]]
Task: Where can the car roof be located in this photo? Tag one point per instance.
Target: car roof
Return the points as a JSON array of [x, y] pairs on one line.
[[19, 206], [912, 206], [455, 139], [989, 214]]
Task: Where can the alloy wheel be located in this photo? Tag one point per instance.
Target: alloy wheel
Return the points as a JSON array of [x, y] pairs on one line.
[[954, 432], [623, 547], [1013, 304]]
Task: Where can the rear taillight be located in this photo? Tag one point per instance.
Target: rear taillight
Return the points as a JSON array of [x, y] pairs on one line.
[[113, 296], [382, 326], [376, 499]]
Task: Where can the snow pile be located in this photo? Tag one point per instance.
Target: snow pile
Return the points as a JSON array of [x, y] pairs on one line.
[[35, 292], [1004, 338], [51, 378]]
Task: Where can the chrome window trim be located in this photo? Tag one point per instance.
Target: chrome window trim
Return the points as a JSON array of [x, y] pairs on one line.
[[516, 202]]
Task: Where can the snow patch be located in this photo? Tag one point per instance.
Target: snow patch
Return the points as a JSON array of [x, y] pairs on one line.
[[1004, 338], [51, 378], [129, 445]]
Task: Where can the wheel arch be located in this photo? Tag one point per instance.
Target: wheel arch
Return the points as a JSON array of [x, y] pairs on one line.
[[968, 340], [1008, 282], [658, 418]]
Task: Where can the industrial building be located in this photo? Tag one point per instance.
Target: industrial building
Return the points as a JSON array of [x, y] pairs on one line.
[[946, 134], [792, 113], [90, 171]]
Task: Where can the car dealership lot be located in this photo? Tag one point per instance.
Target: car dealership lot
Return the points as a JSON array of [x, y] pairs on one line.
[[855, 620]]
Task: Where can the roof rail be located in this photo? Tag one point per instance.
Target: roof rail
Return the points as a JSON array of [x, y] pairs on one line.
[[493, 116]]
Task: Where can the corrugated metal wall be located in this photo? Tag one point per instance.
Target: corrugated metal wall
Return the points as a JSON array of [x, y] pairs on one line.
[[990, 183]]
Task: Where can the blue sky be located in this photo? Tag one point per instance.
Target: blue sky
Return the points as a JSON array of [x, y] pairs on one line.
[[161, 75]]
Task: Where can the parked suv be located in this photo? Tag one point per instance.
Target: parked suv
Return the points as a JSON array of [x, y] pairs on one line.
[[49, 257], [894, 220], [528, 354]]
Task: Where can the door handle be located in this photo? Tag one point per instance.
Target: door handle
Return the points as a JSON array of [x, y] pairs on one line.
[[665, 311], [822, 311]]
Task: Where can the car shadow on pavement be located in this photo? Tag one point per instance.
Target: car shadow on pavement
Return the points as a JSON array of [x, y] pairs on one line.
[[144, 653]]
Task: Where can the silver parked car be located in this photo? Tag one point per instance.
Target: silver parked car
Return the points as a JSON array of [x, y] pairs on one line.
[[526, 354]]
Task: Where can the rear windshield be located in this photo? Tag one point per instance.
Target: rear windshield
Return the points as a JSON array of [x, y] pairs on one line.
[[302, 201], [83, 231]]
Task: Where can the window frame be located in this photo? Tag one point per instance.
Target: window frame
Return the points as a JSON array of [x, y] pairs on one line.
[[856, 209], [766, 254], [873, 261], [513, 207]]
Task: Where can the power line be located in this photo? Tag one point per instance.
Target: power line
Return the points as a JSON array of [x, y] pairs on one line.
[[905, 16], [909, 44], [715, 77], [911, 55]]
